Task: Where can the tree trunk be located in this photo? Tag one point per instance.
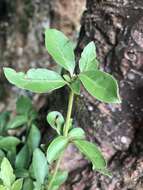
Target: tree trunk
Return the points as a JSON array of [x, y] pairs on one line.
[[116, 27]]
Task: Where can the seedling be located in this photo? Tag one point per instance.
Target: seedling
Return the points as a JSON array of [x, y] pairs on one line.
[[99, 84]]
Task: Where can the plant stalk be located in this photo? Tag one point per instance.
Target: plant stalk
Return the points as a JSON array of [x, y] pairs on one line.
[[66, 129], [69, 112]]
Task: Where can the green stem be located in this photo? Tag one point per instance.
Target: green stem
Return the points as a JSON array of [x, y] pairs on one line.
[[66, 129], [69, 112], [55, 172]]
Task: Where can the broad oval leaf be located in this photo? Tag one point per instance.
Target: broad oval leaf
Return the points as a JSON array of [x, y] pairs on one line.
[[23, 157], [7, 174], [35, 80], [17, 121], [57, 146], [17, 185], [8, 143], [60, 48], [88, 59], [40, 166], [101, 85], [76, 133], [91, 151], [56, 121]]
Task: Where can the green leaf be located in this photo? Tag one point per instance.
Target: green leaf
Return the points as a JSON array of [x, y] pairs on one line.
[[91, 151], [76, 133], [4, 117], [23, 105], [2, 155], [60, 48], [56, 121], [23, 157], [2, 187], [28, 184], [35, 80], [101, 85], [60, 178], [17, 185], [40, 166], [7, 174], [17, 121], [34, 138], [88, 59], [75, 86], [55, 148], [21, 173], [8, 143]]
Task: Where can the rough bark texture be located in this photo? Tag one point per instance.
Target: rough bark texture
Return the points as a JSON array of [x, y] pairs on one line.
[[116, 27]]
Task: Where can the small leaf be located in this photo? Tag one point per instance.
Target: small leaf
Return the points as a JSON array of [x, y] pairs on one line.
[[88, 59], [23, 105], [17, 121], [35, 80], [28, 184], [17, 185], [34, 138], [60, 178], [91, 151], [40, 166], [7, 174], [60, 48], [56, 121], [55, 148], [23, 157], [8, 143], [76, 133], [101, 85], [75, 86]]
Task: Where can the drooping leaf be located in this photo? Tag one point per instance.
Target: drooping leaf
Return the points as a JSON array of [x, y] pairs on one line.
[[60, 178], [17, 121], [35, 80], [40, 166], [92, 152], [8, 143], [7, 174], [88, 59], [34, 138], [23, 157], [23, 105], [101, 85], [76, 133], [56, 147], [56, 121], [17, 185], [60, 48]]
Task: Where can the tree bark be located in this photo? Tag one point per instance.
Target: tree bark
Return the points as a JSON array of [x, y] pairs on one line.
[[116, 27]]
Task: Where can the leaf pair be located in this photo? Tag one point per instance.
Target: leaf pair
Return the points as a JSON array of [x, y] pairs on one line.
[[77, 137]]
